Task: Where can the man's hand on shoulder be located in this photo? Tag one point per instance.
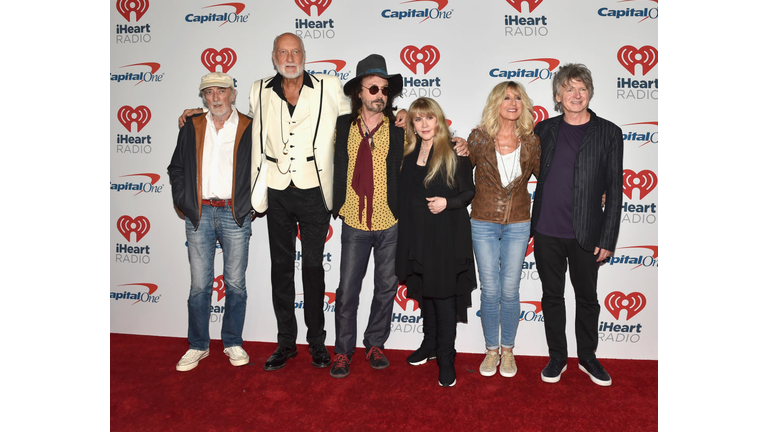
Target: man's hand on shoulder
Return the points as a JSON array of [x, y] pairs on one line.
[[400, 118], [461, 147], [187, 113]]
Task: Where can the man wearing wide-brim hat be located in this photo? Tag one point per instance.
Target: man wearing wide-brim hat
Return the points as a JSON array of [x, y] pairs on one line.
[[368, 154]]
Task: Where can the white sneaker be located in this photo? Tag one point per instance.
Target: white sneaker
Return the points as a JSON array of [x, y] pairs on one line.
[[488, 366], [508, 368], [237, 355], [190, 360]]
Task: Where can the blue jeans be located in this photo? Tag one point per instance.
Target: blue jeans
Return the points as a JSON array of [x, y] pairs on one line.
[[217, 222], [500, 251], [355, 249]]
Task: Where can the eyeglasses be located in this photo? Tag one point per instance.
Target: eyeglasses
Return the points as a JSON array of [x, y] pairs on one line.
[[375, 89]]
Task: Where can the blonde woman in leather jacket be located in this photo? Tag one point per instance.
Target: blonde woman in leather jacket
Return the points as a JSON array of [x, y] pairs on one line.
[[505, 152]]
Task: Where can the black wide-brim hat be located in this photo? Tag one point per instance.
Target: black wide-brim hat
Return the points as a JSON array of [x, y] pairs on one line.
[[375, 64]]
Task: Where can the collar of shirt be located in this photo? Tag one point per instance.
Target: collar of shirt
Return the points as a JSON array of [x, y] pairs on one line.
[[276, 84]]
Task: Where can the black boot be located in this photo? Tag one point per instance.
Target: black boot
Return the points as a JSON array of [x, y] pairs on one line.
[[445, 312], [427, 350], [447, 376]]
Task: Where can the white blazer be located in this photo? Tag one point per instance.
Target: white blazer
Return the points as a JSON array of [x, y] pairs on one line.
[[324, 103]]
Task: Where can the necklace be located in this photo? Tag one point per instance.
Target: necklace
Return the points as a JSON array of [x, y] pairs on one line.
[[368, 133], [282, 139], [424, 153], [507, 175]]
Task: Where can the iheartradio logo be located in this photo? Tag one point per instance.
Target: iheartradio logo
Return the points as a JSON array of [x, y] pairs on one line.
[[320, 5], [138, 7], [139, 115], [127, 225], [226, 58], [402, 300], [539, 114], [219, 288], [428, 56], [633, 303], [327, 237], [645, 181], [630, 56], [529, 249], [518, 4]]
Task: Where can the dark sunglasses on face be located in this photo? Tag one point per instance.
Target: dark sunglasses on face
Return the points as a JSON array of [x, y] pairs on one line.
[[375, 89]]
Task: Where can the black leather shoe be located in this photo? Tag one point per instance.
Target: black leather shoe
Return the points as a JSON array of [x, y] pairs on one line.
[[320, 356], [279, 358]]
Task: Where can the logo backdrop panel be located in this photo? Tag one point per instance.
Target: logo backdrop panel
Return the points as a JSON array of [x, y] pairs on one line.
[[450, 50]]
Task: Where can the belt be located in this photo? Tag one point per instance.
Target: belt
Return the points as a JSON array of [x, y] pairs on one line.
[[217, 202], [271, 159]]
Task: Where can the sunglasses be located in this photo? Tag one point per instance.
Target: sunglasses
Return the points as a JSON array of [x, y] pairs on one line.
[[375, 89]]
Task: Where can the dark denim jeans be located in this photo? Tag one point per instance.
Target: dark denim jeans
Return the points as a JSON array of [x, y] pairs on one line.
[[356, 248]]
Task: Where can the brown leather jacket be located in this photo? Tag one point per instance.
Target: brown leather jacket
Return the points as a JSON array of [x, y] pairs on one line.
[[493, 202]]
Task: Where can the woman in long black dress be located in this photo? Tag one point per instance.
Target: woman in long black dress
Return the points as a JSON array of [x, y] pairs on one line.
[[434, 246]]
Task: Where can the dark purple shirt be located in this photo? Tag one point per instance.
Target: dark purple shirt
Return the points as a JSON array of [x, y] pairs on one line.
[[556, 218]]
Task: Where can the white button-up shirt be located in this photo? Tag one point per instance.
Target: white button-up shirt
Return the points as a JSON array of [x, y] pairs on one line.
[[218, 155]]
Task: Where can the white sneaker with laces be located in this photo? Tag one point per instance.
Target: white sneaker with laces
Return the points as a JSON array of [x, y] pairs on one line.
[[190, 360], [488, 366], [237, 355], [508, 368]]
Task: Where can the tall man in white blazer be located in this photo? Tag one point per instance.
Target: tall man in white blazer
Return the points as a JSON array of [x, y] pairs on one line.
[[294, 118]]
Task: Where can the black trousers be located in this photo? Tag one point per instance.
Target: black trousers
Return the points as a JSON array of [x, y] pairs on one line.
[[287, 208], [553, 256], [440, 326]]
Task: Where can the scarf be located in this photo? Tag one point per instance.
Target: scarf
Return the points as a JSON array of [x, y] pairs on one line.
[[362, 176]]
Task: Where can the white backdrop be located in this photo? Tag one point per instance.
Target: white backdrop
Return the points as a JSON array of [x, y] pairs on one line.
[[454, 51]]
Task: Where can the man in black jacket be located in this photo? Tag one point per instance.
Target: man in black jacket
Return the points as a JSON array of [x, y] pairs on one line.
[[215, 197], [367, 159], [581, 159]]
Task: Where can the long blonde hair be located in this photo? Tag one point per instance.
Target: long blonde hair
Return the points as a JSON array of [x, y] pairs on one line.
[[443, 157], [490, 122]]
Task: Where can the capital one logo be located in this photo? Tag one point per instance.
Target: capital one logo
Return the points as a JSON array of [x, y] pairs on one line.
[[427, 56], [139, 115], [138, 7], [644, 261], [648, 136], [633, 303], [141, 187], [629, 57], [226, 58], [539, 114], [141, 77], [127, 225], [518, 4], [327, 237], [402, 300], [537, 73], [151, 289], [320, 6], [645, 181], [338, 64]]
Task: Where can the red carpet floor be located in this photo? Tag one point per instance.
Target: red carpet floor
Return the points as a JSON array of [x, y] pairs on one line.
[[148, 394]]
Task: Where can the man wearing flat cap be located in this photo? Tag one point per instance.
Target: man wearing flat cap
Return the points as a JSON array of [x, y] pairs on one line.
[[210, 173], [368, 154]]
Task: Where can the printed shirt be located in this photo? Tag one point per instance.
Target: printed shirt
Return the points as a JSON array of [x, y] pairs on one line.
[[382, 215]]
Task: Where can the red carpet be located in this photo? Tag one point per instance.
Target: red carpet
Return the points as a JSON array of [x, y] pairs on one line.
[[148, 394]]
